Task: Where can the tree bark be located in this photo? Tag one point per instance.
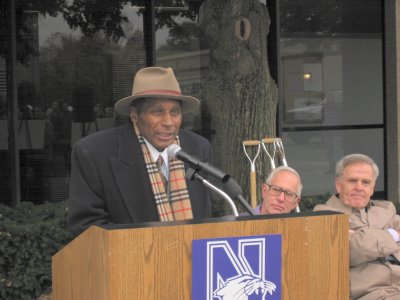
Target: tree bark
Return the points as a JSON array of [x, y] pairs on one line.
[[239, 91]]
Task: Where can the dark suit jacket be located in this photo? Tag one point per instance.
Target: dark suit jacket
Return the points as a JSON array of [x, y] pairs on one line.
[[109, 183]]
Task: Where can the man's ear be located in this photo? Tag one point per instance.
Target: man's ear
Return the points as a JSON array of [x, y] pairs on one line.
[[133, 115], [263, 189], [297, 203], [338, 185]]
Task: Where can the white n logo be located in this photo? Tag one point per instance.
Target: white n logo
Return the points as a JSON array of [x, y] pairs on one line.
[[231, 277]]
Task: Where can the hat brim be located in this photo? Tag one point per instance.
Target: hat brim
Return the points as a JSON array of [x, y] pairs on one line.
[[123, 106]]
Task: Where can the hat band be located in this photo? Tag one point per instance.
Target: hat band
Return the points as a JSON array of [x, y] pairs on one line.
[[160, 92]]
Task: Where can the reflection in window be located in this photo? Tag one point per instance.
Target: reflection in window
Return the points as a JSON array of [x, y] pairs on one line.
[[181, 45], [331, 66], [62, 48]]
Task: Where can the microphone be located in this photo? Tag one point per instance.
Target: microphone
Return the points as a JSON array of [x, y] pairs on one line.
[[176, 152], [233, 189]]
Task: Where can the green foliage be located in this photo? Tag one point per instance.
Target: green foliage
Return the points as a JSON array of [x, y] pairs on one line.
[[308, 203], [90, 17], [29, 236], [397, 205]]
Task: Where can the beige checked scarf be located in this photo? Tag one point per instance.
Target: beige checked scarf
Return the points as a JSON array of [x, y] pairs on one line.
[[178, 207]]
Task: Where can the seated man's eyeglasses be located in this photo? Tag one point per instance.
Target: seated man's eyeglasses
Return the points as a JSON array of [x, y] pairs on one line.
[[276, 191]]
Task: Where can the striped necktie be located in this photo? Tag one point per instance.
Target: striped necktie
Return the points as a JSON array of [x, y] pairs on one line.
[[159, 163]]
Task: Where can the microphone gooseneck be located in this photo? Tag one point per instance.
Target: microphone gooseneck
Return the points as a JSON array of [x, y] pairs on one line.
[[233, 189]]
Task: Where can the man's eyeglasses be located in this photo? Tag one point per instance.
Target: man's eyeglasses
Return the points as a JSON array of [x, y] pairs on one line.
[[276, 191]]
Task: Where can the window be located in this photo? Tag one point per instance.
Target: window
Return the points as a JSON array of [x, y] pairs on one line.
[[73, 63], [331, 87]]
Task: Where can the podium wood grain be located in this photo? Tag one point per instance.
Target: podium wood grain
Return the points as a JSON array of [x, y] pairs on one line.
[[155, 262]]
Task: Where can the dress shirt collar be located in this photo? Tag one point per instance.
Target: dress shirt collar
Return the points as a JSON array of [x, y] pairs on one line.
[[155, 153]]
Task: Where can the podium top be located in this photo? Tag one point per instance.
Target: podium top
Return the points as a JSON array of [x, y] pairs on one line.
[[229, 218]]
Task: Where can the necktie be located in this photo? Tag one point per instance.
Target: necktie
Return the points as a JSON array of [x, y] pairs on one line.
[[159, 163]]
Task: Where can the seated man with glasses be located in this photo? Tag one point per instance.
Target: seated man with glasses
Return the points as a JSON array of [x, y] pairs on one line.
[[281, 191]]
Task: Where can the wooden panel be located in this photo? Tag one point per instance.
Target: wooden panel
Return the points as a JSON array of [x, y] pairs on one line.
[[155, 262], [81, 269]]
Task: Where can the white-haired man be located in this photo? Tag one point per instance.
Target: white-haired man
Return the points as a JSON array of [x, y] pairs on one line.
[[374, 230], [281, 191]]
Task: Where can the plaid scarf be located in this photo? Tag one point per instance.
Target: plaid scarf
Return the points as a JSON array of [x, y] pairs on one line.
[[178, 206]]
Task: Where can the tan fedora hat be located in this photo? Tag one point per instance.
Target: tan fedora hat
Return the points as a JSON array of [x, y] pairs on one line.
[[159, 83]]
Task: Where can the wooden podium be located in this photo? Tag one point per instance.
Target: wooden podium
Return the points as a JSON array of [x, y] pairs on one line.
[[133, 262]]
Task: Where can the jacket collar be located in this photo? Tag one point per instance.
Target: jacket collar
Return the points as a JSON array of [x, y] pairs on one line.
[[129, 169]]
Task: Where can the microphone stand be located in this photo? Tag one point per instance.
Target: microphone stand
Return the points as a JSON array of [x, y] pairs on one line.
[[191, 174]]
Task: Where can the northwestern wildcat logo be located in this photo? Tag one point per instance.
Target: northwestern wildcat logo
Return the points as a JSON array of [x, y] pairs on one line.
[[242, 287], [242, 268]]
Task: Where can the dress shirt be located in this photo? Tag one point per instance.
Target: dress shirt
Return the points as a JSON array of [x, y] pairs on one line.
[[155, 154]]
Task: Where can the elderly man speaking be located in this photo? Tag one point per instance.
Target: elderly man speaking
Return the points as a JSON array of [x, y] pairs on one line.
[[124, 175], [374, 230]]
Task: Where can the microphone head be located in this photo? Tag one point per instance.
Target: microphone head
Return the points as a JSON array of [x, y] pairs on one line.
[[232, 188], [172, 150]]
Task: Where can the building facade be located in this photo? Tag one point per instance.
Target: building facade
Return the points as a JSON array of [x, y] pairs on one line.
[[63, 67]]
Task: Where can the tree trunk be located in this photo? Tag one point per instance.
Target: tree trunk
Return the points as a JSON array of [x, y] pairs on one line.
[[239, 91]]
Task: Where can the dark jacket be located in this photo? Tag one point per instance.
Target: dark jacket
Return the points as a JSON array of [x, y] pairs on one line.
[[109, 183]]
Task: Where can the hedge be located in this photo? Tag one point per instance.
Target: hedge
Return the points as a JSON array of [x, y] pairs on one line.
[[29, 236]]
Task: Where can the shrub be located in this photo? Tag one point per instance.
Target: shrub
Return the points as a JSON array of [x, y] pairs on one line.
[[308, 203], [29, 236]]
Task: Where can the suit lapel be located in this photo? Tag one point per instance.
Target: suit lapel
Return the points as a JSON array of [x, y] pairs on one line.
[[131, 177]]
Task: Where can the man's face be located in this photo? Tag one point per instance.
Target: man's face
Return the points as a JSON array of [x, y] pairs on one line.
[[159, 121], [356, 185], [279, 204]]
